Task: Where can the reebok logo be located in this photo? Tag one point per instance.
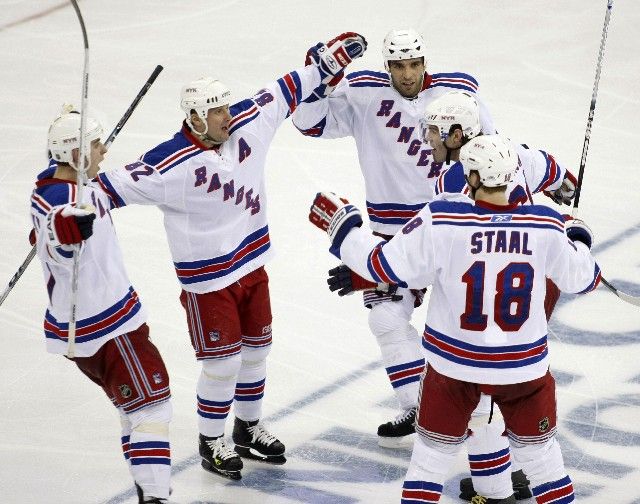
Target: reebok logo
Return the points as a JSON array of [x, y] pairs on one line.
[[501, 218]]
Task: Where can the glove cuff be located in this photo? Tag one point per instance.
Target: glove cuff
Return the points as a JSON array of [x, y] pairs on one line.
[[345, 219], [581, 234]]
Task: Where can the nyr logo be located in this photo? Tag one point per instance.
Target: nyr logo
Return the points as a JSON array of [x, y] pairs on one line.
[[501, 218]]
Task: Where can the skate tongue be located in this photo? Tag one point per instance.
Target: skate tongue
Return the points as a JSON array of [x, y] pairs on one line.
[[261, 435]]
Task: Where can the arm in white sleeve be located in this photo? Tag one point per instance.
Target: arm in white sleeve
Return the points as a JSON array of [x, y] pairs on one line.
[[571, 266], [406, 260], [330, 117]]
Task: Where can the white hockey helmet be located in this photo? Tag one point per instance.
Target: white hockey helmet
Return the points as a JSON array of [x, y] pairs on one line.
[[402, 45], [455, 107], [493, 157], [64, 134], [202, 95]]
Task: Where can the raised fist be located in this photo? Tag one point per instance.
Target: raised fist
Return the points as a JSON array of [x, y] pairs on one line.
[[332, 58]]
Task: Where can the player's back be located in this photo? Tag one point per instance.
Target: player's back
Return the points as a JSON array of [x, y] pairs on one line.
[[486, 321]]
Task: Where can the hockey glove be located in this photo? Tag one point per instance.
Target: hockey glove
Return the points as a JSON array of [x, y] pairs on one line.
[[32, 237], [335, 216], [577, 230], [333, 57], [70, 225], [345, 281], [566, 192]]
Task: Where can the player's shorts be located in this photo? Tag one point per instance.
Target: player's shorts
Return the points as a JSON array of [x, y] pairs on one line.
[[130, 370], [220, 322], [446, 404]]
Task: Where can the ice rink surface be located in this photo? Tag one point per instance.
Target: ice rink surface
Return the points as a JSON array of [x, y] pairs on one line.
[[326, 390]]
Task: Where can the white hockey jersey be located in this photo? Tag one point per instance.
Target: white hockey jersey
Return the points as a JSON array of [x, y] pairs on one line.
[[214, 201], [107, 305], [398, 168], [487, 264], [537, 171]]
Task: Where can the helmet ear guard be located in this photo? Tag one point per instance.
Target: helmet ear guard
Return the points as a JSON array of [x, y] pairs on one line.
[[493, 157], [403, 45], [201, 95], [64, 134]]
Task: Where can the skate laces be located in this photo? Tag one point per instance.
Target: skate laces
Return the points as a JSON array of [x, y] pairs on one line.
[[404, 416], [261, 435], [220, 449]]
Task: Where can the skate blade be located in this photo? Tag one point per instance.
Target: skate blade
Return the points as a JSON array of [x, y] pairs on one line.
[[248, 453], [233, 475], [397, 443]]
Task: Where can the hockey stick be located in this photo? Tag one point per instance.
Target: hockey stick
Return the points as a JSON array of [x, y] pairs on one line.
[[108, 142], [634, 300], [18, 274], [152, 78], [585, 147], [81, 173], [594, 96]]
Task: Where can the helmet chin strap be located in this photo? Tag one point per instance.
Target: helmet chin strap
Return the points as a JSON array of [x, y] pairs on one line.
[[203, 135]]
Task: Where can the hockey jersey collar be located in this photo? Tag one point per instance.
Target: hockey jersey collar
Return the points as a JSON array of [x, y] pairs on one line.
[[195, 140], [51, 181], [427, 81], [496, 208]]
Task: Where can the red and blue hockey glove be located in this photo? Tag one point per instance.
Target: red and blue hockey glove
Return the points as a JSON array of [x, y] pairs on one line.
[[70, 225], [566, 192], [577, 230], [335, 216], [334, 56]]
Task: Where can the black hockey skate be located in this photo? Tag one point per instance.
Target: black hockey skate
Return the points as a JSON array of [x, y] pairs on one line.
[[253, 441], [218, 458], [391, 434], [479, 499], [518, 480]]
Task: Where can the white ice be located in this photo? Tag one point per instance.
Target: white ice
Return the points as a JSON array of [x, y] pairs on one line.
[[326, 392]]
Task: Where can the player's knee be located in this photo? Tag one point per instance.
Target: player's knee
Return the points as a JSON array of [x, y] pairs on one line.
[[152, 419], [222, 369], [254, 356], [390, 317], [542, 462]]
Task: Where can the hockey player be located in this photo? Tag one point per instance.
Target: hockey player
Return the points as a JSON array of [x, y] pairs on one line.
[[486, 329], [449, 122], [382, 112], [208, 180], [112, 345], [538, 170]]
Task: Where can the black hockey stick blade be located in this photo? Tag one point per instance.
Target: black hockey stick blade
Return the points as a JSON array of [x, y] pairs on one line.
[[634, 300]]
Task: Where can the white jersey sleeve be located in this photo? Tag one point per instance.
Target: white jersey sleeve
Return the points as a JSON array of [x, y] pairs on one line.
[[331, 116], [406, 260], [571, 266], [540, 169]]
